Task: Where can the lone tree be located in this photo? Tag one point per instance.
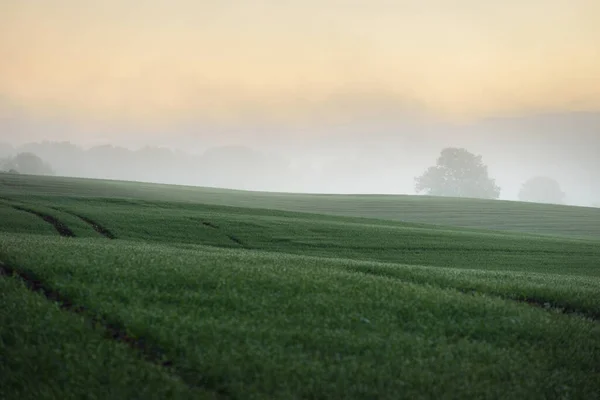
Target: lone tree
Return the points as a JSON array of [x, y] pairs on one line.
[[542, 189], [458, 173]]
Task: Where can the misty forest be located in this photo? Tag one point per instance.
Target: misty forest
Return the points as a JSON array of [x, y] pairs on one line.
[[551, 169], [300, 200]]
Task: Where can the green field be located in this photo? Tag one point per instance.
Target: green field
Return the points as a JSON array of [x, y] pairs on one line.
[[132, 290]]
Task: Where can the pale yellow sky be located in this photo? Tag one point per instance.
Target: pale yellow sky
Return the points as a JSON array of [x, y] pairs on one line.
[[159, 60]]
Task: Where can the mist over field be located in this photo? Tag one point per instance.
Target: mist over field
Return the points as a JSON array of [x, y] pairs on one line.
[[360, 157], [304, 96]]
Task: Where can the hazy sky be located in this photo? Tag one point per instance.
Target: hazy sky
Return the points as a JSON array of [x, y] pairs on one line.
[[158, 61]]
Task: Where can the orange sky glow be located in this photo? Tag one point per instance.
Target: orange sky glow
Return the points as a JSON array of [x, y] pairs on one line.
[[162, 61]]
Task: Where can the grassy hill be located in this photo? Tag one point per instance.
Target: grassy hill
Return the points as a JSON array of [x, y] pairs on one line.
[[129, 290], [471, 213]]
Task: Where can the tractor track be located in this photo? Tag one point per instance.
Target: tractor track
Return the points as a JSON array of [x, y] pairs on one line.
[[149, 352], [60, 227], [95, 225]]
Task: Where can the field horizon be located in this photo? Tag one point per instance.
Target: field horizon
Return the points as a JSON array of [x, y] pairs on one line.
[[116, 289], [372, 206]]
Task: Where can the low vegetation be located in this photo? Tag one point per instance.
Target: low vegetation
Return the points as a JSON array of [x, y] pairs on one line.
[[179, 292]]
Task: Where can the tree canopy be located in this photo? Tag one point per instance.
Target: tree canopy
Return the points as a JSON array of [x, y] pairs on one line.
[[542, 189], [27, 163], [458, 173]]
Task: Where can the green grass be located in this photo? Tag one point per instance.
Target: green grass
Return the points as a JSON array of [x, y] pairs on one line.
[[51, 354], [359, 239], [17, 221], [259, 302], [496, 215]]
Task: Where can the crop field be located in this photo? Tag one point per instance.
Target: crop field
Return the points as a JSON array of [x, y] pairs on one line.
[[124, 290]]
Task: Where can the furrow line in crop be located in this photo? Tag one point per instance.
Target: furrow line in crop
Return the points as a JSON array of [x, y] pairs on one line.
[[95, 225], [60, 227], [233, 238], [209, 224], [547, 304], [147, 351]]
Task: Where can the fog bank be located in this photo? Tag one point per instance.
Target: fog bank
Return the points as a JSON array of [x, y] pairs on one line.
[[376, 156]]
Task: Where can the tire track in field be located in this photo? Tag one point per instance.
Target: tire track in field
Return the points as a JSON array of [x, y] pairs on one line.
[[233, 238], [546, 304], [149, 352], [210, 224], [60, 227], [95, 225]]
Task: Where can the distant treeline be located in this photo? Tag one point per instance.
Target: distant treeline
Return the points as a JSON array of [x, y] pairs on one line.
[[234, 166], [241, 167]]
